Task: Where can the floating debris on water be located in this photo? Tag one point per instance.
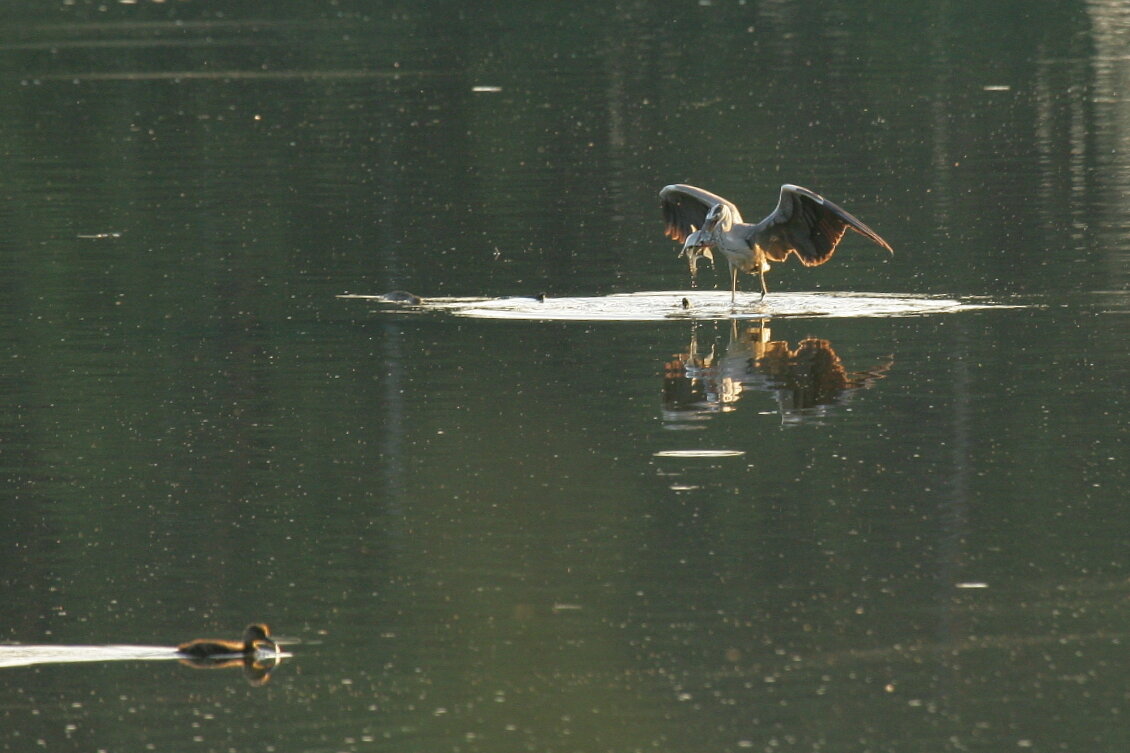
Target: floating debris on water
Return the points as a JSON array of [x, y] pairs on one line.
[[698, 453]]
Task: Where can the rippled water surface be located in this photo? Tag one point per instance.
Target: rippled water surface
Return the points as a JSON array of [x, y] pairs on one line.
[[883, 510]]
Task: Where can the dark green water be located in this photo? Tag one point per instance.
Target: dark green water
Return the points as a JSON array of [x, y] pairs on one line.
[[482, 531]]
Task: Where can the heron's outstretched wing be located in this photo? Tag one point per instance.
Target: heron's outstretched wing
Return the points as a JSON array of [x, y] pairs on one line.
[[809, 225], [685, 208]]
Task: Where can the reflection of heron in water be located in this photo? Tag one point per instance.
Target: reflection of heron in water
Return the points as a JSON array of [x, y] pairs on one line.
[[806, 379], [804, 223]]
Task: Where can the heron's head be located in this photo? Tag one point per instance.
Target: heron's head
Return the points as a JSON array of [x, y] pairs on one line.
[[718, 218]]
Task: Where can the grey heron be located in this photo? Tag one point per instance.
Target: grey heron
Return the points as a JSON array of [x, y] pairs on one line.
[[804, 223]]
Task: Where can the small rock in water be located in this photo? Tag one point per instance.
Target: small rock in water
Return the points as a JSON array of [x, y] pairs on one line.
[[401, 296]]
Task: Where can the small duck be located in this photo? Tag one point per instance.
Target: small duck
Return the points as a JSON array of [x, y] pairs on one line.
[[253, 636]]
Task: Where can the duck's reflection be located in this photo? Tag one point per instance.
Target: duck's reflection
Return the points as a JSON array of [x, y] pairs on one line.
[[256, 670], [807, 381]]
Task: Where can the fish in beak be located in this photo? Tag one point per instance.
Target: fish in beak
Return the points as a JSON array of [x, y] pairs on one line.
[[696, 247]]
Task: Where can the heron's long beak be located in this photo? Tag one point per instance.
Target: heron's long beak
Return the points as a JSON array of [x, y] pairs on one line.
[[708, 227]]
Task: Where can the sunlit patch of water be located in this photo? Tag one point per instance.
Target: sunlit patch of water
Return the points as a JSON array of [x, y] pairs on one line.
[[695, 305], [21, 656]]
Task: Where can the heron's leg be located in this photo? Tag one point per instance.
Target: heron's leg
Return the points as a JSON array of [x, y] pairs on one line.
[[733, 284], [759, 260]]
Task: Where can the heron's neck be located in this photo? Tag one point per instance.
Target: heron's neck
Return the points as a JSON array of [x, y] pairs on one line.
[[733, 236]]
